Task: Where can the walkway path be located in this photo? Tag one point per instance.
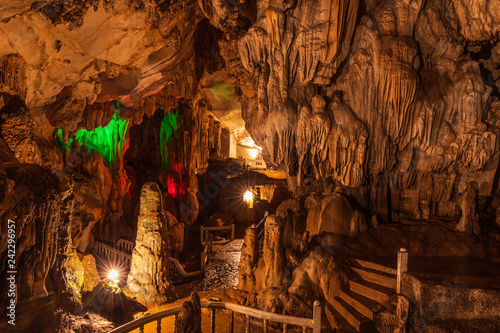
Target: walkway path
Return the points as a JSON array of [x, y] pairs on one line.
[[222, 268]]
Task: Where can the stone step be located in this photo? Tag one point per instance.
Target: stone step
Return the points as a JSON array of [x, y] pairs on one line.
[[377, 277], [363, 305], [376, 267], [356, 319], [372, 291], [338, 323]]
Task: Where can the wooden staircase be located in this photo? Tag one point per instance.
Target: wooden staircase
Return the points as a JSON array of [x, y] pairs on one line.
[[369, 292]]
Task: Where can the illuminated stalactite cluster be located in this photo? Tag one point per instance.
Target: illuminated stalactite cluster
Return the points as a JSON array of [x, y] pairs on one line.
[[109, 140], [171, 169]]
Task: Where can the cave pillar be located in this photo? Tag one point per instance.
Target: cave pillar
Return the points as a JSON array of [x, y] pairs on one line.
[[248, 260], [274, 257], [148, 277]]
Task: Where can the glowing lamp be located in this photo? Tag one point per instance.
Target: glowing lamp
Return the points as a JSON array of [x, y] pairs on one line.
[[253, 153], [113, 274], [248, 198], [113, 277]]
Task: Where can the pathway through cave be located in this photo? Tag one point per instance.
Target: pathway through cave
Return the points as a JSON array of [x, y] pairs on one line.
[[222, 269]]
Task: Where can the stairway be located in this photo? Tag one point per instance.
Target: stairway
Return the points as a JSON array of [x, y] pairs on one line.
[[369, 292]]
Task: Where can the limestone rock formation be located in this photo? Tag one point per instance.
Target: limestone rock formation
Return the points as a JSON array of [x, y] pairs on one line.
[[273, 254], [189, 319], [16, 128], [248, 260], [148, 277], [30, 194], [335, 215], [469, 220]]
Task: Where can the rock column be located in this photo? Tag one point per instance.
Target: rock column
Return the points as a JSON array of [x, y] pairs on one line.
[[249, 258], [148, 277], [273, 254]]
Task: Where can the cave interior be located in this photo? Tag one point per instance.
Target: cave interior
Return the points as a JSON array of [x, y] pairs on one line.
[[329, 159]]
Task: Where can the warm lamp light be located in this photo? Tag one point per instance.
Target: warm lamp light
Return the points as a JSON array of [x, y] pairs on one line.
[[253, 153], [113, 278], [248, 198], [113, 274]]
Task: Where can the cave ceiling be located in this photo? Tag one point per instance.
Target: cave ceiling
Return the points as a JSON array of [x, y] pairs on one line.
[[393, 98]]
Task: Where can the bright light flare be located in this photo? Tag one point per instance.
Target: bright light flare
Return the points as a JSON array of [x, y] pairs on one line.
[[113, 278], [248, 198], [113, 274], [253, 153]]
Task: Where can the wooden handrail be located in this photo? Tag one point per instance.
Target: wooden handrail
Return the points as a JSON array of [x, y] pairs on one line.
[[181, 270], [203, 230], [314, 323]]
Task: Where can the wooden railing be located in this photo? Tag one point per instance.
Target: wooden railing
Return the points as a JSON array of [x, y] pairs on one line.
[[181, 274], [111, 254], [125, 246], [205, 233], [266, 317], [123, 253], [402, 267]]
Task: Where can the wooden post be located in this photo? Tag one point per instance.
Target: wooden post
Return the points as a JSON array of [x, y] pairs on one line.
[[201, 234], [285, 328], [176, 321], [248, 324], [232, 231], [210, 241], [231, 322], [402, 267], [158, 326], [212, 320], [203, 254], [317, 317], [266, 326]]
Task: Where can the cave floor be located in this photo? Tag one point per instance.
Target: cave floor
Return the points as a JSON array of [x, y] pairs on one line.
[[222, 269]]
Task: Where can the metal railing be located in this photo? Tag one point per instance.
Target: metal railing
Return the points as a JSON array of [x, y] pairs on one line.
[[205, 233], [266, 317], [262, 223]]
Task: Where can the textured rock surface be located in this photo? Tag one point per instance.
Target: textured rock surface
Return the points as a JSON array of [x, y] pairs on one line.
[[334, 214], [248, 260], [31, 194], [189, 319], [272, 252], [148, 277]]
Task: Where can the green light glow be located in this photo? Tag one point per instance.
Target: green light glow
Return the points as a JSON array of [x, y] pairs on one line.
[[109, 141], [223, 90], [168, 126]]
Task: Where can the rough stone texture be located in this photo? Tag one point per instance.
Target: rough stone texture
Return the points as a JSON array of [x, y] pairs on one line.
[[189, 319], [469, 220], [248, 260], [81, 272], [319, 274], [148, 277], [273, 254], [16, 128], [334, 214], [446, 305], [30, 194], [13, 75]]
